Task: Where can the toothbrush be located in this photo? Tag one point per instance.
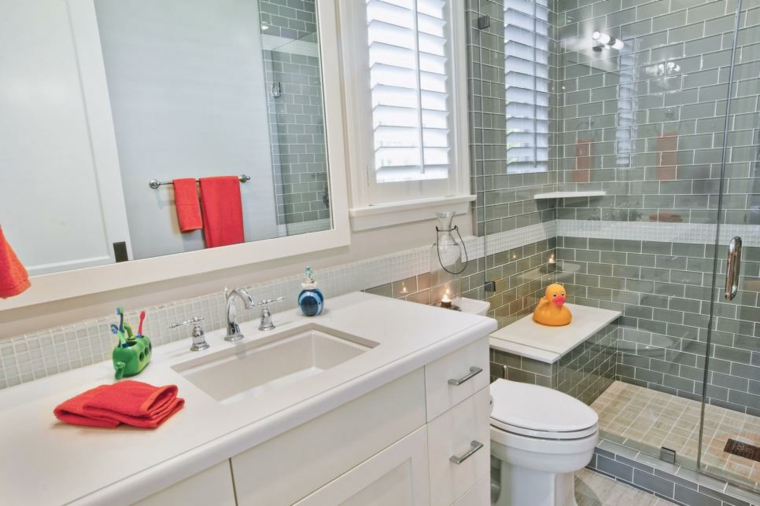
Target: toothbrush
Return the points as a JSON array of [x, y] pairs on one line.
[[119, 334], [142, 319], [120, 314]]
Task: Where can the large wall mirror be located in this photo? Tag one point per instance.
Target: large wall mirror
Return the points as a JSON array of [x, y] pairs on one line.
[[107, 105]]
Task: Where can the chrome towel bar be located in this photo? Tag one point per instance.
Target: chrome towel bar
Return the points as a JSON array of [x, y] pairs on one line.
[[156, 184]]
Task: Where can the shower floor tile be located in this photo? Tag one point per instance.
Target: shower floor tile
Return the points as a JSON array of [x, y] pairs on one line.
[[647, 420]]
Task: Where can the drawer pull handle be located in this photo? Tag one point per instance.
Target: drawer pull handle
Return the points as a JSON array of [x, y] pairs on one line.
[[474, 447], [474, 371]]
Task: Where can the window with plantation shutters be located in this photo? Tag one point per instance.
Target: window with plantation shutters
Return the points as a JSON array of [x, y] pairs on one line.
[[526, 47], [409, 87]]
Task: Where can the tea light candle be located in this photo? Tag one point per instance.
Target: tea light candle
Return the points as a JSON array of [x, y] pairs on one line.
[[446, 300]]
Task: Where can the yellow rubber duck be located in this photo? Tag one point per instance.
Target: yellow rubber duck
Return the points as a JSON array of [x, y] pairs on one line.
[[551, 310]]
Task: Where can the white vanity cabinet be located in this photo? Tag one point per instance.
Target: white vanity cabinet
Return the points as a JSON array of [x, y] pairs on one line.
[[391, 447]]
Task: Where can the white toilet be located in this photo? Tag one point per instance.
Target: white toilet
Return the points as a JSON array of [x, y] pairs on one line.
[[539, 437]]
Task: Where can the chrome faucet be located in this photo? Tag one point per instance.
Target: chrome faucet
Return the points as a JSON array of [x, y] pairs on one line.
[[199, 337], [233, 329], [266, 314]]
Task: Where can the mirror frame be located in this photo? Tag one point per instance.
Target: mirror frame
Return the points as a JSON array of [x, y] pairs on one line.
[[81, 282]]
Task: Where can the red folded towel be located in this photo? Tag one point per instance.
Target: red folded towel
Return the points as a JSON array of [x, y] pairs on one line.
[[130, 402], [73, 411], [222, 211], [187, 204], [13, 276]]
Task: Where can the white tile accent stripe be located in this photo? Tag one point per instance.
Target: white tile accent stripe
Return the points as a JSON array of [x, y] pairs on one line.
[[693, 233]]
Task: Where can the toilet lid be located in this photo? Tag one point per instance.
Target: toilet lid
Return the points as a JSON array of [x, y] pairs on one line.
[[539, 410]]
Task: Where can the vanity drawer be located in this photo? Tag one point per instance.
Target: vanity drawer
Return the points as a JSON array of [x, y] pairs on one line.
[[453, 378], [478, 495], [397, 476], [289, 467], [459, 434]]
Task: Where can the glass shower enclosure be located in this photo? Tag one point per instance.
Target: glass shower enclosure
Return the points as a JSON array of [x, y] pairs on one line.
[[653, 122]]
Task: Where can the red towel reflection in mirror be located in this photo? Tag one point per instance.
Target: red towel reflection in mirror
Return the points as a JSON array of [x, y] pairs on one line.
[[222, 209]]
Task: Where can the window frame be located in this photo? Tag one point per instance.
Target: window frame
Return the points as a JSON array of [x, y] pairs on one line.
[[372, 204]]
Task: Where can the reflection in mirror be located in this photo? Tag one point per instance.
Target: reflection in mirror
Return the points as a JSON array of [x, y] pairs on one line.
[[223, 94]]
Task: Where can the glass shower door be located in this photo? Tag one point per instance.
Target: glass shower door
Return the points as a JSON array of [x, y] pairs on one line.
[[730, 428]]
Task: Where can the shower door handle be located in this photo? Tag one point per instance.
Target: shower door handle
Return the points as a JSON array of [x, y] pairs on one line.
[[733, 267]]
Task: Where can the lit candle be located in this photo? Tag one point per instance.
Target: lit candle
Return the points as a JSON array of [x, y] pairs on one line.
[[446, 300], [551, 265]]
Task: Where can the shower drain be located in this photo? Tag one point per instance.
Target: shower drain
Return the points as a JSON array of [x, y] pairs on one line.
[[740, 449]]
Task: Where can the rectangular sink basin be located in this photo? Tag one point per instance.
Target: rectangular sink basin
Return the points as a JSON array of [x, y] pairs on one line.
[[267, 364]]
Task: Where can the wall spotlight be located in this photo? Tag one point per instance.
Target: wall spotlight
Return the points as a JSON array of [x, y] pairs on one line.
[[606, 40]]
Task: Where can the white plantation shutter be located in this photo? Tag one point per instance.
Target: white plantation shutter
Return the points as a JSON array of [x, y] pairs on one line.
[[526, 44], [409, 65]]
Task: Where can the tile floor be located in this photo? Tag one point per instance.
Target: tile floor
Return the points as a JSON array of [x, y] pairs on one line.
[[594, 489], [647, 420]]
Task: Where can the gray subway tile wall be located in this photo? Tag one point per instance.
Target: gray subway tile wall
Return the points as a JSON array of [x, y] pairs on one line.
[[656, 148], [646, 125], [293, 19], [296, 119], [504, 201], [664, 291], [585, 372]]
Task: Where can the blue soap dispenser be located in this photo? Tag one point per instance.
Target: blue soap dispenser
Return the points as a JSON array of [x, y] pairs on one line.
[[310, 300]]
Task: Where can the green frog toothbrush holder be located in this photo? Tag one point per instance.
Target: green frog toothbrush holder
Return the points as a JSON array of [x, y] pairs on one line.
[[133, 352]]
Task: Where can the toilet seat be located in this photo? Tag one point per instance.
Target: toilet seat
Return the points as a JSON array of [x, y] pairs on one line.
[[541, 413], [540, 434]]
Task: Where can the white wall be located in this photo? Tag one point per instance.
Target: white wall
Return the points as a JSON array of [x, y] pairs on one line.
[[52, 208], [186, 80]]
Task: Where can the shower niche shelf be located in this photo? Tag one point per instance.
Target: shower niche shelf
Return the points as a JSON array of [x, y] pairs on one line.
[[569, 195]]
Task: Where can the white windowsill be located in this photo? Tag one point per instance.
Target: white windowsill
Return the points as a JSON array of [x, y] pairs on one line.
[[396, 213]]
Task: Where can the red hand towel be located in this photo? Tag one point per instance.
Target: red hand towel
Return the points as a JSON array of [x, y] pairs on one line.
[[151, 421], [187, 204], [73, 411], [13, 276], [222, 211], [130, 402]]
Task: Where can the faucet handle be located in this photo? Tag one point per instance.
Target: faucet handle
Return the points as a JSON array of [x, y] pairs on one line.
[[199, 337], [266, 314], [194, 319], [266, 302]]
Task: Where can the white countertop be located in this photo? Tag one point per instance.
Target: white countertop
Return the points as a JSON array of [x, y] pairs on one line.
[[50, 463], [548, 344]]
